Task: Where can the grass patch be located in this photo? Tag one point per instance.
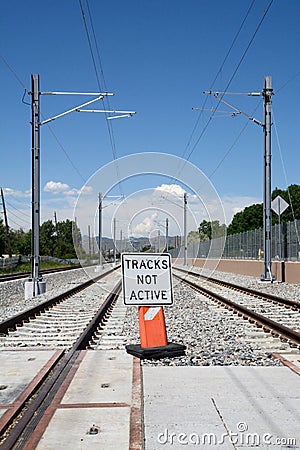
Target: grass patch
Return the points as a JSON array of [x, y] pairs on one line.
[[26, 267]]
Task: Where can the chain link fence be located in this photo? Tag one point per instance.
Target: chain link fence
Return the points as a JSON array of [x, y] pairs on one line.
[[249, 245]]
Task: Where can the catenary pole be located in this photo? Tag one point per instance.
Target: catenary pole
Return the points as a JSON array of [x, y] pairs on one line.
[[185, 228], [267, 221], [35, 210], [100, 230], [267, 95], [167, 234], [114, 241]]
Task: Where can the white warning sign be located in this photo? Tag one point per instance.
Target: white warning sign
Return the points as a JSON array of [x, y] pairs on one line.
[[147, 279]]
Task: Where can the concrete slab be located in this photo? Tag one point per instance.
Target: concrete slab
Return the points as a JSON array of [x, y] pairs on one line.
[[103, 376], [189, 406], [69, 429], [17, 370], [95, 410]]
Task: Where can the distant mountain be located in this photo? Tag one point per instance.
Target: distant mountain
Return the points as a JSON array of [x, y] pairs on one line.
[[131, 244]]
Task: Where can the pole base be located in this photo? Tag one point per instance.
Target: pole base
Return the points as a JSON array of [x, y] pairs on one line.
[[32, 289], [170, 350], [267, 278]]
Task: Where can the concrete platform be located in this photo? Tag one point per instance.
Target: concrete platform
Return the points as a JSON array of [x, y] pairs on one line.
[[200, 407]]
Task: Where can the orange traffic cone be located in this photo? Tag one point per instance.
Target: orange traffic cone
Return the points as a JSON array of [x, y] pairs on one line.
[[153, 336], [152, 326]]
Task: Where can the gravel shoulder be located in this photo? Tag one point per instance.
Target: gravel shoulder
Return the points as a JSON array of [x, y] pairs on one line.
[[12, 293]]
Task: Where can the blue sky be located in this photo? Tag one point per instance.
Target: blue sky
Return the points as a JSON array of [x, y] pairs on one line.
[[157, 58]]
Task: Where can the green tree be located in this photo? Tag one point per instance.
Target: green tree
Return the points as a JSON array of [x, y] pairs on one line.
[[250, 218], [205, 228], [65, 237], [47, 238], [20, 242], [212, 229], [195, 236]]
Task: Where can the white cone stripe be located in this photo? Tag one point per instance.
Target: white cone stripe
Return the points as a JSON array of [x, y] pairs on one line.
[[151, 312]]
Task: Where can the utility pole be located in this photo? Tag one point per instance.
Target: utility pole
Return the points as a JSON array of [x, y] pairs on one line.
[[100, 230], [75, 235], [114, 243], [267, 222], [6, 225], [158, 241], [35, 285], [57, 235], [267, 95], [185, 228], [89, 234], [167, 234]]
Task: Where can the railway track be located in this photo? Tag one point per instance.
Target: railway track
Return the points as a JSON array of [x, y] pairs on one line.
[[278, 315], [57, 322], [79, 330], [17, 276]]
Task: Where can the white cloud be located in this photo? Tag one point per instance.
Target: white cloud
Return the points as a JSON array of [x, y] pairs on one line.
[[85, 190], [233, 205], [13, 193], [174, 189], [145, 227], [57, 187]]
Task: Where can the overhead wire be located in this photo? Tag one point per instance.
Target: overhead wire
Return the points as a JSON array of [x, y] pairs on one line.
[[109, 124], [231, 79], [15, 215], [49, 126], [219, 71], [288, 82], [11, 220], [65, 152], [13, 72], [233, 144], [21, 212]]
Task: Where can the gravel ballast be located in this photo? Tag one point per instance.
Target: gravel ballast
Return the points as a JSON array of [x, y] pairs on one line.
[[212, 335], [12, 293]]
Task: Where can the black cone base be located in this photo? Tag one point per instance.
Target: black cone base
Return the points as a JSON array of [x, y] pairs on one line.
[[167, 351]]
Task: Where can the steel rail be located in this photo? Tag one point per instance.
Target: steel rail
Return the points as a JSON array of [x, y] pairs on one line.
[[16, 276], [271, 325], [27, 422], [12, 322], [249, 291]]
